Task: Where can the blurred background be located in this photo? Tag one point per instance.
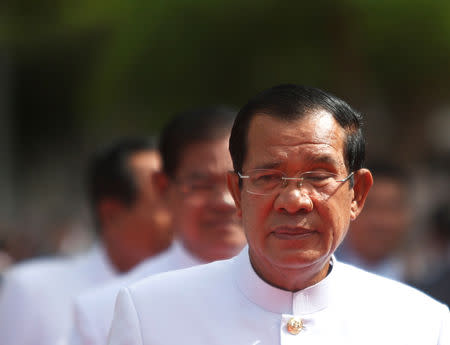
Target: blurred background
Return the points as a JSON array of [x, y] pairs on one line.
[[76, 74]]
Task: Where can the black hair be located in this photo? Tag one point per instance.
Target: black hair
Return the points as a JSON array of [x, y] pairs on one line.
[[290, 102], [109, 174], [440, 221], [190, 127]]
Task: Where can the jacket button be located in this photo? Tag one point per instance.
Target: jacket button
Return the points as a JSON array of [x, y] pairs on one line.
[[294, 325]]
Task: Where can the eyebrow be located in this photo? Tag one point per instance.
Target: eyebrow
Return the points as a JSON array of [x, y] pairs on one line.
[[270, 165], [322, 159], [326, 160]]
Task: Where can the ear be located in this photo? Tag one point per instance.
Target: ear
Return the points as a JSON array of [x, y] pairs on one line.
[[362, 182], [109, 213], [160, 182], [233, 187]]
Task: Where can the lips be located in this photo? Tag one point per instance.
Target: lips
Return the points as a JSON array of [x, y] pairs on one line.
[[292, 232]]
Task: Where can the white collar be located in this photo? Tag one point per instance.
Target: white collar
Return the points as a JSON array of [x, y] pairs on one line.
[[183, 258], [306, 301], [97, 262]]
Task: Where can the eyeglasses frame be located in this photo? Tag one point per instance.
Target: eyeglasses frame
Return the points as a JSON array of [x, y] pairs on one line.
[[286, 179]]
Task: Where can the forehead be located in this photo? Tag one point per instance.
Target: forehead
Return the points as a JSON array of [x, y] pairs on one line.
[[273, 142], [209, 156], [145, 161]]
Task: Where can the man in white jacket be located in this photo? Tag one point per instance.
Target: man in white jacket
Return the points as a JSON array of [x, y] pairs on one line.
[[298, 182], [194, 148], [36, 296]]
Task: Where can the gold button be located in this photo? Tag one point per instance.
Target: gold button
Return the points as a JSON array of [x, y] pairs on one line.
[[295, 325]]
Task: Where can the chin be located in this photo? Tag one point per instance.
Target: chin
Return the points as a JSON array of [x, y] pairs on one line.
[[226, 252], [299, 258]]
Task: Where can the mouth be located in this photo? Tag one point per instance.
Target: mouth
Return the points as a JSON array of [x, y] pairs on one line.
[[292, 232]]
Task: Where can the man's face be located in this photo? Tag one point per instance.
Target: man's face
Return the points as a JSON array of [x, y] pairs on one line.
[[203, 209], [385, 222], [145, 224], [295, 228]]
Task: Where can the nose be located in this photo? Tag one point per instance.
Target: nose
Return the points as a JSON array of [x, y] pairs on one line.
[[227, 198], [293, 199], [222, 199]]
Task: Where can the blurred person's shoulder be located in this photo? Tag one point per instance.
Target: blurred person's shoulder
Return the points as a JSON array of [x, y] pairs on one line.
[[439, 287], [94, 308], [36, 267], [380, 294], [30, 278], [106, 292], [51, 271]]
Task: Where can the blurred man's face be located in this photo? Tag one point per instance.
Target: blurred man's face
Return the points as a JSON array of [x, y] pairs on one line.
[[382, 227], [204, 212], [294, 231], [142, 229]]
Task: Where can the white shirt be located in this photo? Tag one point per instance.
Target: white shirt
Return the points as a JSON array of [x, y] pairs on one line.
[[227, 303], [36, 296], [94, 309]]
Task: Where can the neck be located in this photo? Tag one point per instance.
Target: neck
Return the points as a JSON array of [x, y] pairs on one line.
[[124, 259], [291, 278]]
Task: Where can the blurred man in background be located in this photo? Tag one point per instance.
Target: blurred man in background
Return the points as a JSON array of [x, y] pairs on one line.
[[194, 148], [5, 259], [435, 255], [36, 297], [376, 238]]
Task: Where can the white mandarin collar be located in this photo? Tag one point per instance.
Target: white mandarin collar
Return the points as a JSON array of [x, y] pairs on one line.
[[306, 301], [97, 263], [183, 258]]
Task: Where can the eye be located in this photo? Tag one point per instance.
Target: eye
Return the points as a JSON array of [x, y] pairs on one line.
[[318, 178], [265, 177], [268, 177]]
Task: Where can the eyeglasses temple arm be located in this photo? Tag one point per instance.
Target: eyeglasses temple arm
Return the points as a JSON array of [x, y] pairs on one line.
[[243, 176], [348, 177]]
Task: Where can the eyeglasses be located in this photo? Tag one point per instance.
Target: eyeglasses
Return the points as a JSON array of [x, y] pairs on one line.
[[267, 181]]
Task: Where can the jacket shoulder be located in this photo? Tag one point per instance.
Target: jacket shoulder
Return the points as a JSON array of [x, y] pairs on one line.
[[181, 286], [36, 270]]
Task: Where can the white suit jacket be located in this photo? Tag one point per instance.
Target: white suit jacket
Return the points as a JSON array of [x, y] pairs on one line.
[[36, 296], [226, 303], [94, 309]]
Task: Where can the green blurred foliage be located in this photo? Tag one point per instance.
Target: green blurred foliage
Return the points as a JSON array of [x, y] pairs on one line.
[[131, 64], [81, 72]]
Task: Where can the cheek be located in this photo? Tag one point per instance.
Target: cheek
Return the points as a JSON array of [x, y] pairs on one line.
[[256, 210], [335, 216], [193, 210]]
